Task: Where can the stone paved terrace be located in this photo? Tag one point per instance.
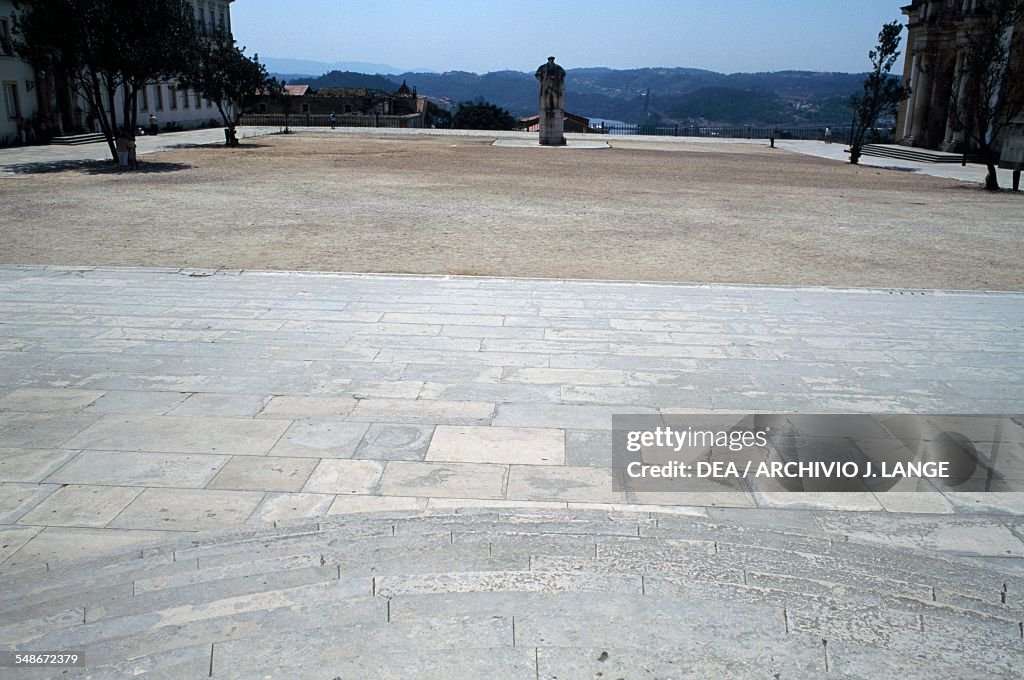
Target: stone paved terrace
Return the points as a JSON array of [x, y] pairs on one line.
[[140, 404]]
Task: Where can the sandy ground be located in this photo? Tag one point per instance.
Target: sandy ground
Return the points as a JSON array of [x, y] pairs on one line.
[[456, 205]]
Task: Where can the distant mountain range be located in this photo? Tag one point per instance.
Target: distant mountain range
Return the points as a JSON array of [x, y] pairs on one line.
[[310, 69], [672, 95]]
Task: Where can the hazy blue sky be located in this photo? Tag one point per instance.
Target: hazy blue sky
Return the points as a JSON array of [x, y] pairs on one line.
[[490, 35]]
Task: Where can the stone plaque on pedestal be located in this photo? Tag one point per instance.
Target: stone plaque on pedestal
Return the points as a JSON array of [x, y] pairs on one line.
[[1013, 149], [1013, 145], [552, 103]]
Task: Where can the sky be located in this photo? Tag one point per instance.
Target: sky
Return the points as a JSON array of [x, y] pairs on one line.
[[494, 35]]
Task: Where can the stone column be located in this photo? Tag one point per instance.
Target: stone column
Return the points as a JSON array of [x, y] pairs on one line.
[[949, 143], [921, 99], [960, 136], [908, 107]]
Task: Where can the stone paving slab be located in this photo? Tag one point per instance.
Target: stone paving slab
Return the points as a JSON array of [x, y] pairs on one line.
[[76, 505], [182, 435], [220, 397], [175, 470]]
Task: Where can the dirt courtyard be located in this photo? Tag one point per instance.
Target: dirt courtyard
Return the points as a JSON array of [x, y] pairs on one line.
[[695, 212]]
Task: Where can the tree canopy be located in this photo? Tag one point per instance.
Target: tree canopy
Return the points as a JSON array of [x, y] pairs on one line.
[[110, 47], [222, 72], [882, 92], [482, 116], [103, 46]]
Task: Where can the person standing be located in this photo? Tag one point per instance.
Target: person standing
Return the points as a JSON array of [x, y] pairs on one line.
[[334, 120], [154, 128], [133, 159], [121, 145], [828, 135]]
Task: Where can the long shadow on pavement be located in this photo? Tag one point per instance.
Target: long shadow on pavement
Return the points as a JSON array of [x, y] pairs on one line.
[[216, 145], [93, 167]]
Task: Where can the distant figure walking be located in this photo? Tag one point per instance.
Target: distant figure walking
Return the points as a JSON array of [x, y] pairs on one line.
[[334, 120], [828, 135], [153, 126]]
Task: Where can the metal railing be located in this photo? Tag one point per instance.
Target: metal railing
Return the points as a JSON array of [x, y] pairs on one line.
[[324, 120], [840, 133]]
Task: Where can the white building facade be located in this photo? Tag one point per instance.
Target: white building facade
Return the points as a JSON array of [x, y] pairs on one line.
[[65, 113], [18, 99], [185, 108], [174, 108]]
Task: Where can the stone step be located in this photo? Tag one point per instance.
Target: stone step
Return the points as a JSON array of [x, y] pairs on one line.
[[294, 600], [902, 569], [493, 663], [785, 575], [77, 140], [489, 628], [171, 642], [253, 607], [784, 660], [915, 154], [93, 587], [508, 544], [174, 664]]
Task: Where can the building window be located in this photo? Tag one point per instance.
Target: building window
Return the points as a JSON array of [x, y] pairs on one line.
[[159, 91], [11, 101], [221, 23], [263, 108], [199, 101], [172, 98], [209, 104], [184, 99], [5, 39], [213, 26], [305, 108], [144, 98]]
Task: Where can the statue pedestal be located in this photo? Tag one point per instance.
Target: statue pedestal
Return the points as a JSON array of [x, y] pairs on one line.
[[552, 127]]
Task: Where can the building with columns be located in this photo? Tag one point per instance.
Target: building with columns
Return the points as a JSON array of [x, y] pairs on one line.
[[18, 99], [47, 105], [937, 31]]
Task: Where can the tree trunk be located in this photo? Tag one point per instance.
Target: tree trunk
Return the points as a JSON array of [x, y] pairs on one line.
[[227, 123], [126, 110], [93, 94], [111, 91], [992, 179]]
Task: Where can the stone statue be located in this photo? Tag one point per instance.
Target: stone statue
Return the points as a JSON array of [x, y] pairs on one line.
[[552, 85], [552, 102]]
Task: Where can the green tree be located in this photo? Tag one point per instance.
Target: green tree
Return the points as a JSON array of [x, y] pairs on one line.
[[279, 92], [482, 116], [882, 91], [222, 72], [436, 117], [990, 84], [106, 48]]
